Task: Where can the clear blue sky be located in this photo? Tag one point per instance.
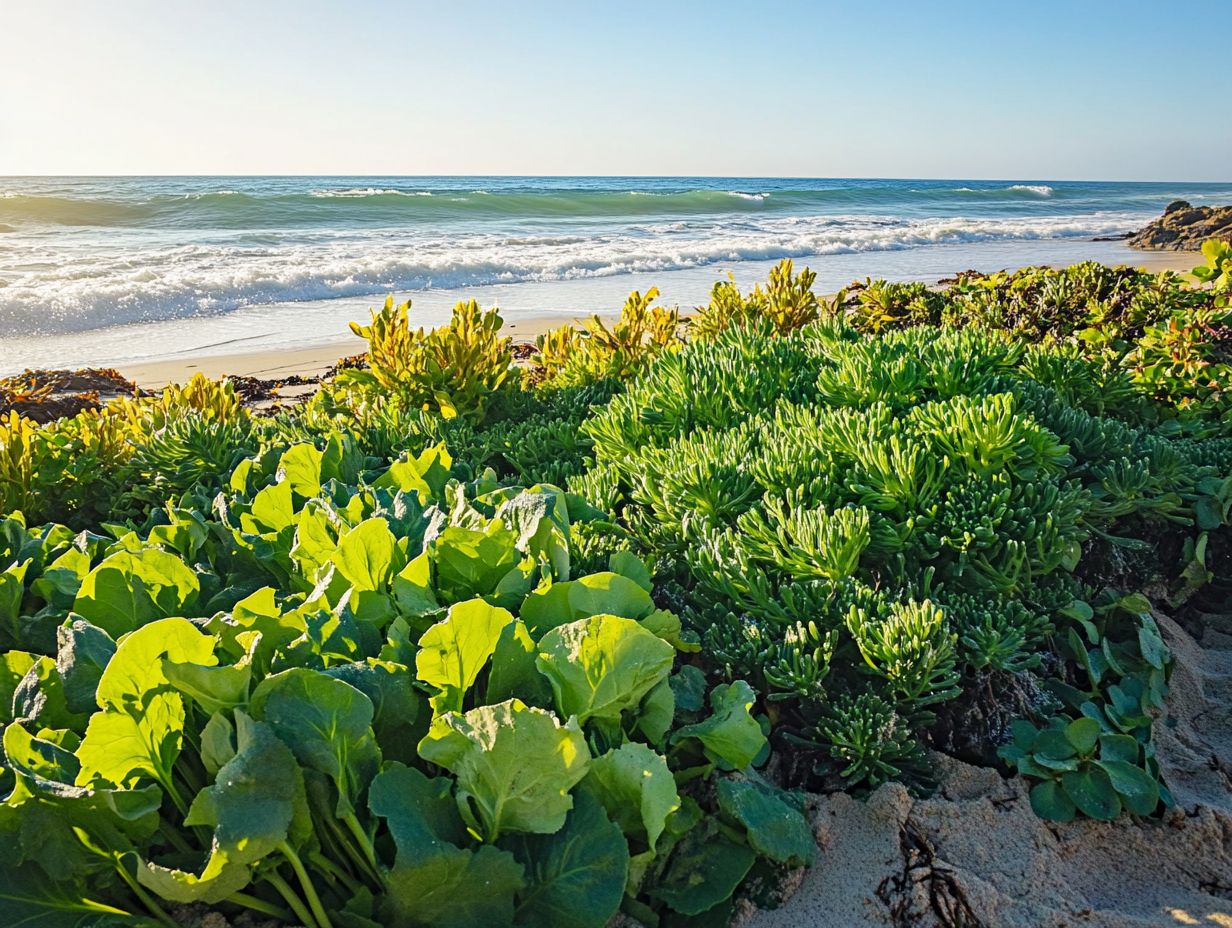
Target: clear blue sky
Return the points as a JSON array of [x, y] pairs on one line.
[[1078, 89]]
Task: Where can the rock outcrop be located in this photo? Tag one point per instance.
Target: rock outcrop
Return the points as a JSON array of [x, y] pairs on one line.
[[1184, 228]]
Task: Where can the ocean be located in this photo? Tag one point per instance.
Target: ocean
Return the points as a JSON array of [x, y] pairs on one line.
[[115, 269]]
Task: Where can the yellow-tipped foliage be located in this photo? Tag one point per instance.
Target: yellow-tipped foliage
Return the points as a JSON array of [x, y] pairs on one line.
[[17, 461], [454, 368], [570, 356], [787, 303]]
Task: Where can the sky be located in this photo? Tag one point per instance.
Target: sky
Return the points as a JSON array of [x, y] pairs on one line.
[[1084, 89]]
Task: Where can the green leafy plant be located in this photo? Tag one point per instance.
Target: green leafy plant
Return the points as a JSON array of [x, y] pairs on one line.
[[1080, 768]]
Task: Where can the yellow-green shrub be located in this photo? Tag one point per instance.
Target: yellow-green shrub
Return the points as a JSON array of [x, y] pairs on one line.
[[454, 368], [787, 303], [572, 357]]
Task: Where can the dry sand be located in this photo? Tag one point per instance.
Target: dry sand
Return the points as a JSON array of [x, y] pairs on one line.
[[974, 855], [313, 361]]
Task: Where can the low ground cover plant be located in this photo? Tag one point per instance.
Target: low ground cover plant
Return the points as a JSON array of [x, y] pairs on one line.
[[461, 642]]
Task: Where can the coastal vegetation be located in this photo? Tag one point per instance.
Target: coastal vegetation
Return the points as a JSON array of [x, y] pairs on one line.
[[465, 641]]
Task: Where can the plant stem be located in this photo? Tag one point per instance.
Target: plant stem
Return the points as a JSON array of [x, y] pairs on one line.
[[260, 905], [365, 845], [333, 870], [168, 831], [146, 899], [287, 893], [305, 883], [169, 785]]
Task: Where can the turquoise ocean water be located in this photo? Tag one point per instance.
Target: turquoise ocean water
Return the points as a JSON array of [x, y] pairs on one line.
[[97, 270]]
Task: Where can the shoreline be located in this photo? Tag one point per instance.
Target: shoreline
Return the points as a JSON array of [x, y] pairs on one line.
[[312, 361]]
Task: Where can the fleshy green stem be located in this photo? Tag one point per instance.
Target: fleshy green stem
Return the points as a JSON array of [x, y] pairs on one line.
[[361, 837], [332, 870], [173, 838], [305, 882], [287, 893], [260, 905], [146, 899]]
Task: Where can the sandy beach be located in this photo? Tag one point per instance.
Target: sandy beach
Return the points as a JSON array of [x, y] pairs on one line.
[[314, 360]]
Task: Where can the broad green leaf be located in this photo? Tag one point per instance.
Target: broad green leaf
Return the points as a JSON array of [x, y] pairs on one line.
[[426, 475], [705, 869], [628, 564], [412, 587], [300, 467], [775, 826], [28, 899], [1083, 734], [137, 732], [540, 520], [1154, 651], [547, 608], [453, 888], [601, 666], [1139, 791], [636, 788], [1049, 801], [470, 562], [513, 672], [61, 580], [38, 758], [136, 667], [689, 685], [83, 652], [1119, 747], [396, 703], [258, 614], [217, 743], [453, 651], [250, 807], [667, 626], [657, 713], [327, 724], [609, 593], [13, 666], [128, 590], [121, 748], [420, 811], [315, 544], [366, 555], [212, 688], [271, 512], [603, 593], [575, 877], [1052, 743], [40, 697], [730, 736], [514, 765], [1091, 791]]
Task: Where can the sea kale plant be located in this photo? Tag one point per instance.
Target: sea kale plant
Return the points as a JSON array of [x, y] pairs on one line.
[[337, 695]]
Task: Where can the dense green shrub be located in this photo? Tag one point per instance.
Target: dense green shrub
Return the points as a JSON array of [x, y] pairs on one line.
[[890, 518]]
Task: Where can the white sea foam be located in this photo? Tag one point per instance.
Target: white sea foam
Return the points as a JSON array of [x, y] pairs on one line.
[[110, 282], [354, 192], [1042, 190]]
